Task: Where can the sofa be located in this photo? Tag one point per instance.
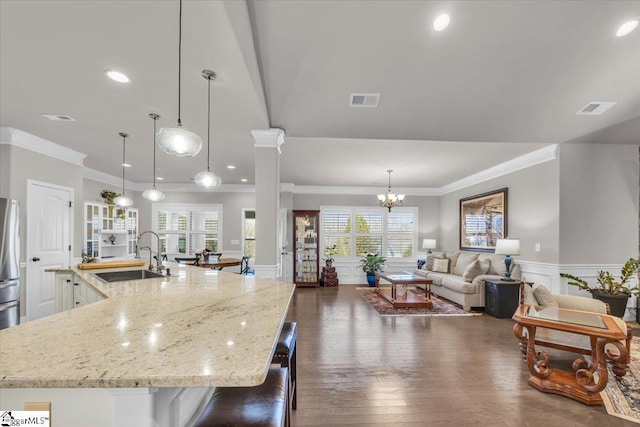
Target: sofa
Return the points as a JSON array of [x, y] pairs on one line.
[[463, 280]]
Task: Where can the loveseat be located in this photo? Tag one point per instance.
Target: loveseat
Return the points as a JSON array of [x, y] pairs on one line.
[[463, 279]]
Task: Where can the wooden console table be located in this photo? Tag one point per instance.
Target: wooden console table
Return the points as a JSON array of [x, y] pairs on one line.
[[589, 378], [410, 299]]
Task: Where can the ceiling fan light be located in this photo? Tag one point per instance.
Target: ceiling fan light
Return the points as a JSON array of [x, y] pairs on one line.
[[123, 201], [208, 179], [179, 141], [153, 195]]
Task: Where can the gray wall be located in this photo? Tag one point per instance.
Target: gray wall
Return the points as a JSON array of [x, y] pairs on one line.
[[533, 210], [598, 203], [25, 164]]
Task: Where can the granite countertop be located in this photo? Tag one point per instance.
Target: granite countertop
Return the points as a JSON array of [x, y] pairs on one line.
[[197, 328]]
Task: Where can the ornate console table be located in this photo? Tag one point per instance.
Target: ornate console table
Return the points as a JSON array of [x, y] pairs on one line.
[[588, 378]]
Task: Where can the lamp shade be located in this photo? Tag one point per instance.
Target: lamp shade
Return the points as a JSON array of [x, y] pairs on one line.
[[428, 243], [508, 247], [179, 141]]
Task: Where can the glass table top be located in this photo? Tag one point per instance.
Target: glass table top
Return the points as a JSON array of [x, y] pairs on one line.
[[566, 316]]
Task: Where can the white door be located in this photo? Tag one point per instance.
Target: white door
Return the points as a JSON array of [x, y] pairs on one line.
[[49, 231]]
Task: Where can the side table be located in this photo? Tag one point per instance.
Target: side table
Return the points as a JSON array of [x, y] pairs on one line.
[[329, 277], [501, 299]]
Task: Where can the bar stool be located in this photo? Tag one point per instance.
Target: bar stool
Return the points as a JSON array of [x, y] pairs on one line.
[[266, 405], [285, 356]]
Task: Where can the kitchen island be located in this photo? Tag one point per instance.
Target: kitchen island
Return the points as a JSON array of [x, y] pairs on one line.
[[151, 345]]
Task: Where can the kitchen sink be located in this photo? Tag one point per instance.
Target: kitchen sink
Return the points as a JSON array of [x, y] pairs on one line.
[[119, 276]]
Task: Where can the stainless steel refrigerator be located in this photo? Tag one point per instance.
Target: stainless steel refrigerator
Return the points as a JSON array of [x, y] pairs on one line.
[[9, 263]]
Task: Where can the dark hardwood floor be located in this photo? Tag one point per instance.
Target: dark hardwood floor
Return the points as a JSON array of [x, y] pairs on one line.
[[358, 368]]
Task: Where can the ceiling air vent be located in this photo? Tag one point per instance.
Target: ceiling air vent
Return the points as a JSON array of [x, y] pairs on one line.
[[596, 108], [364, 100], [59, 117]]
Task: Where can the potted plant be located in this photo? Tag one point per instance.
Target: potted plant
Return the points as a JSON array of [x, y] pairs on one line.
[[329, 252], [370, 264], [108, 196], [616, 294]]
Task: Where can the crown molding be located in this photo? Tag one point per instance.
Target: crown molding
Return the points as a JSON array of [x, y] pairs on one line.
[[22, 139], [106, 178], [367, 191], [533, 158], [270, 138]]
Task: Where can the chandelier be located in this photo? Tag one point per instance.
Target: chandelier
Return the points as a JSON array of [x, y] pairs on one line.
[[391, 199]]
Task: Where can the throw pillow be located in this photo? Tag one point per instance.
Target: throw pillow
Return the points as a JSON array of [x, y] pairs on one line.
[[464, 260], [441, 265], [430, 258], [474, 269], [544, 297], [529, 297]]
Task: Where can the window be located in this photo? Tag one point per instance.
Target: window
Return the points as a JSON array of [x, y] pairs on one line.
[[356, 231], [185, 229], [249, 232]]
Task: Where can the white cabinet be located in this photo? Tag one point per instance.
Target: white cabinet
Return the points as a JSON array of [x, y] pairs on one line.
[[71, 292], [64, 292], [84, 293], [109, 232]]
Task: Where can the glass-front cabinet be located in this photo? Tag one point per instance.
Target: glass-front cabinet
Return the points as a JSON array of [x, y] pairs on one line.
[[109, 231], [305, 248]]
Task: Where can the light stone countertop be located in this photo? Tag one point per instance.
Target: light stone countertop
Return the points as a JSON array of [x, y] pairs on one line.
[[197, 328]]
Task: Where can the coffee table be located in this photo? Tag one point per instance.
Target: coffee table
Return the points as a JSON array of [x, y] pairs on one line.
[[588, 378], [410, 299]]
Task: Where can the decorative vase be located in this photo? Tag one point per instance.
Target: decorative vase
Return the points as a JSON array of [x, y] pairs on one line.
[[617, 303], [112, 239], [371, 279], [329, 263]]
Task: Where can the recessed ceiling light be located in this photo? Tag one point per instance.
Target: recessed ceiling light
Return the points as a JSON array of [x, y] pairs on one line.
[[117, 76], [230, 167], [159, 178], [244, 180], [126, 165], [441, 22], [626, 28]]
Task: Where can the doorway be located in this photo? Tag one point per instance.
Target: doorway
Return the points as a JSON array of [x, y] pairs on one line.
[[49, 235]]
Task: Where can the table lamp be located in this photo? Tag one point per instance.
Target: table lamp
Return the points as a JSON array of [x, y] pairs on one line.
[[428, 244], [508, 247]]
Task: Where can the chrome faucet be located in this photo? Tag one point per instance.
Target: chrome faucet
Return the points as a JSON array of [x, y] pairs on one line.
[[159, 266], [150, 255]]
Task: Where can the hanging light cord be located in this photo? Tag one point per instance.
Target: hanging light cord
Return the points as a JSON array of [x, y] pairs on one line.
[[123, 162], [209, 125], [179, 62], [155, 119]]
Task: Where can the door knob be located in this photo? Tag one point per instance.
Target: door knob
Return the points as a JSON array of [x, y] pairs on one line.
[[35, 259]]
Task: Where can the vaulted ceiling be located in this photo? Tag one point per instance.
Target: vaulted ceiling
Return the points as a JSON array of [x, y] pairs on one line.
[[504, 79]]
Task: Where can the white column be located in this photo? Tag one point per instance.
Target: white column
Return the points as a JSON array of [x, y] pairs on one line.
[[267, 178]]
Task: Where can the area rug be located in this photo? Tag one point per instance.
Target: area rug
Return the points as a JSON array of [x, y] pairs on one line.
[[441, 307], [622, 399]]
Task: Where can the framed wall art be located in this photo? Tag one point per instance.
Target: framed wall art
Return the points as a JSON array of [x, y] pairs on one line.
[[483, 220]]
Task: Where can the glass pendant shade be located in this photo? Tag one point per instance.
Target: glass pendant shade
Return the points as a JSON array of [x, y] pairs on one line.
[[208, 179], [153, 195], [123, 201], [179, 141]]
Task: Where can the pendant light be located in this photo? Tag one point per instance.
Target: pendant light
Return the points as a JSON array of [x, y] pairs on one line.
[[123, 201], [178, 140], [207, 178], [153, 194], [391, 199]]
